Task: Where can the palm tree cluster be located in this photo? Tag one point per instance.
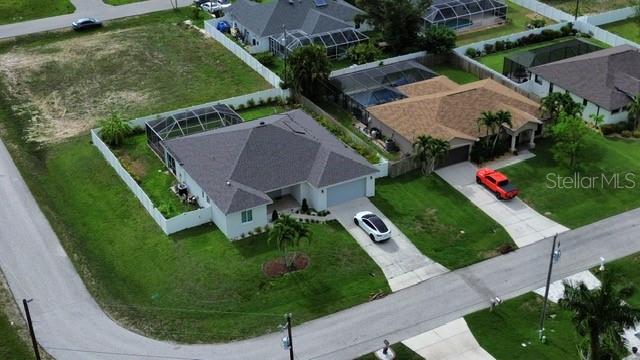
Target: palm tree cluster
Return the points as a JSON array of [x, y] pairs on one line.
[[494, 125], [556, 103], [114, 129], [287, 233], [428, 150]]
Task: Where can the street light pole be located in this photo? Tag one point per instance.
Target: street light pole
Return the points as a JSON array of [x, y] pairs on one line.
[[555, 257], [577, 7], [34, 342]]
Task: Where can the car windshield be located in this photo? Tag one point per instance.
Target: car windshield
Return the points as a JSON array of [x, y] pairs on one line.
[[378, 223], [503, 183]]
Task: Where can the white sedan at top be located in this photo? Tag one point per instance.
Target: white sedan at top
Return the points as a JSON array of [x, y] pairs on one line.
[[372, 225], [211, 7]]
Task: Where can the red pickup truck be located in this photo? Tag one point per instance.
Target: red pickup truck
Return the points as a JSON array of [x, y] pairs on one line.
[[497, 183]]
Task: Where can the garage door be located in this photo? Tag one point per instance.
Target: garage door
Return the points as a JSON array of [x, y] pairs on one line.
[[455, 156], [346, 192]]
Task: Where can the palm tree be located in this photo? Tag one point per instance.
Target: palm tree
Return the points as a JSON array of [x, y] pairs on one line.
[[602, 315], [597, 120], [428, 151], [114, 129], [555, 103], [502, 118], [287, 233], [488, 120], [634, 111]]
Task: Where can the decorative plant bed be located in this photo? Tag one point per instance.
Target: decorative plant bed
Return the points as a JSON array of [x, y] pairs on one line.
[[276, 268]]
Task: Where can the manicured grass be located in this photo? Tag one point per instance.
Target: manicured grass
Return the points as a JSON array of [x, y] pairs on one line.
[[519, 18], [439, 220], [196, 285], [139, 66], [402, 353], [260, 111], [515, 322], [588, 6], [627, 269], [12, 11], [537, 179], [154, 178], [628, 29], [458, 75], [12, 346]]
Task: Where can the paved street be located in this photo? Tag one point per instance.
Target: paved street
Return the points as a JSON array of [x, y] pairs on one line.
[[70, 324], [401, 262], [86, 8]]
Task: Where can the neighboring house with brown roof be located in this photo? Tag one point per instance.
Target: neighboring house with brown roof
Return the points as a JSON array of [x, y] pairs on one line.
[[443, 109], [604, 81]]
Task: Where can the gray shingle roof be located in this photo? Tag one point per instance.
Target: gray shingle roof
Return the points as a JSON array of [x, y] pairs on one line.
[[237, 165], [267, 19], [609, 78]]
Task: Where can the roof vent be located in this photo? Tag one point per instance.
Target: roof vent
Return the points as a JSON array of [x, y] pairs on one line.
[[228, 183], [291, 2]]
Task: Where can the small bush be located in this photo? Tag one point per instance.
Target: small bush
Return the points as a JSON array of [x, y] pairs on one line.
[[166, 209], [537, 23], [251, 103], [471, 52], [266, 58], [489, 48], [608, 129], [636, 134], [626, 133], [499, 45]]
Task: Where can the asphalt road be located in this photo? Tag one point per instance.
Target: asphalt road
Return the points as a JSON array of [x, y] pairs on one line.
[[86, 8], [70, 325]]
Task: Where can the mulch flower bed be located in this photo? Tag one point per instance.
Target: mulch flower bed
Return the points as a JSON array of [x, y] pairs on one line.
[[276, 268]]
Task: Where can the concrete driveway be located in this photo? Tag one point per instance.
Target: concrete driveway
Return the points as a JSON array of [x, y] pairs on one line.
[[524, 225], [401, 262]]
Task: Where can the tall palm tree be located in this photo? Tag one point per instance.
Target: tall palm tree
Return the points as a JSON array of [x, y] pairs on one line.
[[634, 111], [601, 315], [488, 120], [114, 129], [287, 233], [428, 151], [501, 118]]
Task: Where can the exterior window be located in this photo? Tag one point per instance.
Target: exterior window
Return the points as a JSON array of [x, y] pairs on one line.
[[584, 102], [247, 216], [615, 111], [538, 80]]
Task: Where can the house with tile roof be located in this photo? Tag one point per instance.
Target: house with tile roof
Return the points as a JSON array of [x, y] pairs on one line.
[[443, 109], [257, 22], [604, 82], [242, 171]]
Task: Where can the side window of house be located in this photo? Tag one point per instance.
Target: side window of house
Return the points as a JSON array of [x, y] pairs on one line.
[[538, 80], [247, 216]]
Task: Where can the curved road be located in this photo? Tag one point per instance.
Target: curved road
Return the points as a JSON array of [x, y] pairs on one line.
[[70, 325]]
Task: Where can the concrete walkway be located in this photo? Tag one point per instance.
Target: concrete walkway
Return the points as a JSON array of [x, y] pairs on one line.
[[86, 8], [524, 225], [401, 262]]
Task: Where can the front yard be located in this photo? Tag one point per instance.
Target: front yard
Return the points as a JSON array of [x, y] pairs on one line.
[[12, 11], [628, 29], [518, 17], [539, 182], [439, 220]]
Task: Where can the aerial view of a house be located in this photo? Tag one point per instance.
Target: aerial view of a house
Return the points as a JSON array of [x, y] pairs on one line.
[[320, 179]]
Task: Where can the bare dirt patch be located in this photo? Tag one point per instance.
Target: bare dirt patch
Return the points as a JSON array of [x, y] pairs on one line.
[[276, 268]]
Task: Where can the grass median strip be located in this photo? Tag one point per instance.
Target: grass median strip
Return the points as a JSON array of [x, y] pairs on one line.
[[13, 11]]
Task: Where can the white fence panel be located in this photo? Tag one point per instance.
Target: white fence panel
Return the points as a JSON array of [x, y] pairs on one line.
[[237, 50], [545, 10], [611, 16], [383, 169], [603, 35], [188, 220], [374, 64]]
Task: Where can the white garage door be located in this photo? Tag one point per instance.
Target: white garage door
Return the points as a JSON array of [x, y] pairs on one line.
[[347, 191]]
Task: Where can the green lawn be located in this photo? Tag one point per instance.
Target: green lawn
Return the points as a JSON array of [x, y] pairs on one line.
[[402, 353], [12, 346], [194, 286], [139, 66], [628, 29], [537, 180], [12, 11], [515, 322], [260, 111], [439, 220], [627, 268], [458, 75], [518, 17], [588, 6]]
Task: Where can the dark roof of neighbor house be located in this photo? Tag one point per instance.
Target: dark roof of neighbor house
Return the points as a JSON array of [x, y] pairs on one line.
[[267, 19], [609, 78], [237, 165]]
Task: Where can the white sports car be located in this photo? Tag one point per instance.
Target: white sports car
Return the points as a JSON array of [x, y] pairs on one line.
[[372, 225]]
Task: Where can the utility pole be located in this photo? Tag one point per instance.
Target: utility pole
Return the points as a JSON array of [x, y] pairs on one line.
[[555, 257], [34, 342], [290, 338], [577, 7]]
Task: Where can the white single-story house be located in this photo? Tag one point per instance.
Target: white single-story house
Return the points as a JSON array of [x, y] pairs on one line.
[[604, 82], [257, 22], [241, 171]]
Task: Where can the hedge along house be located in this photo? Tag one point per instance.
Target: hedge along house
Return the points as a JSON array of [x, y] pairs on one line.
[[443, 109], [604, 82], [260, 25], [245, 171], [466, 15]]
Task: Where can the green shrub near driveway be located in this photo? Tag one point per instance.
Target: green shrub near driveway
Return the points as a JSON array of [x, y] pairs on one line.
[[12, 11], [440, 221]]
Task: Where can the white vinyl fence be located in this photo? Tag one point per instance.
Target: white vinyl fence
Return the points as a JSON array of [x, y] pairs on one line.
[[545, 10], [168, 226], [611, 16], [237, 50], [603, 35]]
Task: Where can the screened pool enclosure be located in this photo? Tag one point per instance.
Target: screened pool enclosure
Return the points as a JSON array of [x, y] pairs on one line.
[[336, 42], [461, 15], [187, 122]]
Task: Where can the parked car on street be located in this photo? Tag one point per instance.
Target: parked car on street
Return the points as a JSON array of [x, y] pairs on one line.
[[372, 225], [211, 7], [199, 3], [86, 23], [497, 183]]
